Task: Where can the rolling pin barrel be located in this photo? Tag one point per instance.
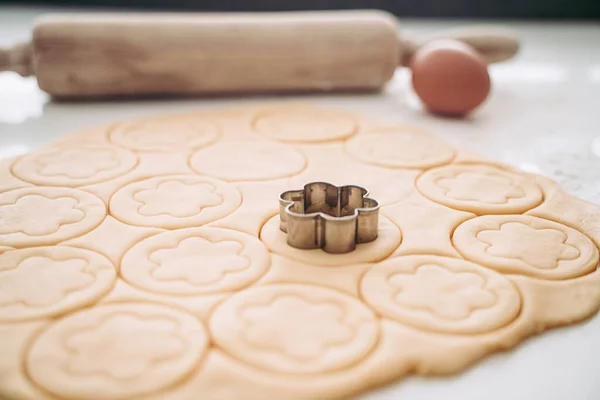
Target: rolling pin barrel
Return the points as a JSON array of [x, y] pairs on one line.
[[112, 55], [168, 54]]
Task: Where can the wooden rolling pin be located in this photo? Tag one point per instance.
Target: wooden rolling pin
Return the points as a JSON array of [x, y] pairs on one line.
[[183, 54]]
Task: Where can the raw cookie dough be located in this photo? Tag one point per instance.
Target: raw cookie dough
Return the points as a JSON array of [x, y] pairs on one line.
[[304, 127], [195, 261], [166, 135], [400, 148], [254, 161], [174, 201], [144, 260], [75, 165], [36, 216], [78, 356], [72, 278], [480, 189]]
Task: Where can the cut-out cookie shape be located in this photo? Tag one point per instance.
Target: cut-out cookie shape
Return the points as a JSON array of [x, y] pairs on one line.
[[526, 245], [298, 329], [116, 351], [480, 189], [248, 161], [48, 281], [174, 201], [400, 149], [388, 239], [195, 261], [36, 216], [305, 125], [328, 217], [74, 165], [441, 294], [165, 134]]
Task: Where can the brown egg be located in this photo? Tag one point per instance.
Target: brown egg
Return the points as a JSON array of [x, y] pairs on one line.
[[450, 77]]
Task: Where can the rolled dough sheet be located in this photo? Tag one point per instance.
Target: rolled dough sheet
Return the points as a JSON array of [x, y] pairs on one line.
[[144, 260]]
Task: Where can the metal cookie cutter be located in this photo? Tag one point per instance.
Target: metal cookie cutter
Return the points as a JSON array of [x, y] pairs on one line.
[[326, 216]]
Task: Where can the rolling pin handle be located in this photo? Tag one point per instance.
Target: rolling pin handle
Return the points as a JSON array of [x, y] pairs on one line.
[[17, 59], [494, 44], [408, 47]]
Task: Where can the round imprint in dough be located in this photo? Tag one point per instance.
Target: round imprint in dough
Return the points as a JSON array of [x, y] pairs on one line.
[[36, 216], [389, 238], [400, 149], [248, 161], [116, 351], [195, 261], [441, 294], [305, 125], [526, 245], [480, 189], [165, 134], [48, 281], [75, 164], [293, 328], [174, 201]]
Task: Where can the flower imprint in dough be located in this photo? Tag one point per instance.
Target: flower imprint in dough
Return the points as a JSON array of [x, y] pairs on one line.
[[526, 245], [480, 189], [59, 279], [47, 281], [189, 199], [174, 201], [184, 261], [446, 294], [491, 189], [317, 326], [116, 351], [540, 248], [400, 149], [292, 328], [441, 294], [75, 164], [126, 353], [195, 261], [37, 215], [165, 134]]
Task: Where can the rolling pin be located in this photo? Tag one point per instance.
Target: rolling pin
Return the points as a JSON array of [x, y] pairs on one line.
[[79, 55]]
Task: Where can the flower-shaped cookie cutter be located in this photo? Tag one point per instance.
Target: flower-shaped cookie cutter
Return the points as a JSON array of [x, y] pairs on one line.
[[329, 217]]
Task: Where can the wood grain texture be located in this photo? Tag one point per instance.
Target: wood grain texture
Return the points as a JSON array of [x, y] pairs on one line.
[[158, 54]]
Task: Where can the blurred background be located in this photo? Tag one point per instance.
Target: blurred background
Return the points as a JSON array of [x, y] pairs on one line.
[[542, 115], [530, 9]]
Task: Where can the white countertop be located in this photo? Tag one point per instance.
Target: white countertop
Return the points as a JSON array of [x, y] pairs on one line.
[[543, 116]]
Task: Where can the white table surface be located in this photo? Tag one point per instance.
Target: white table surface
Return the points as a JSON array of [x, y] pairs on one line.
[[543, 116]]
